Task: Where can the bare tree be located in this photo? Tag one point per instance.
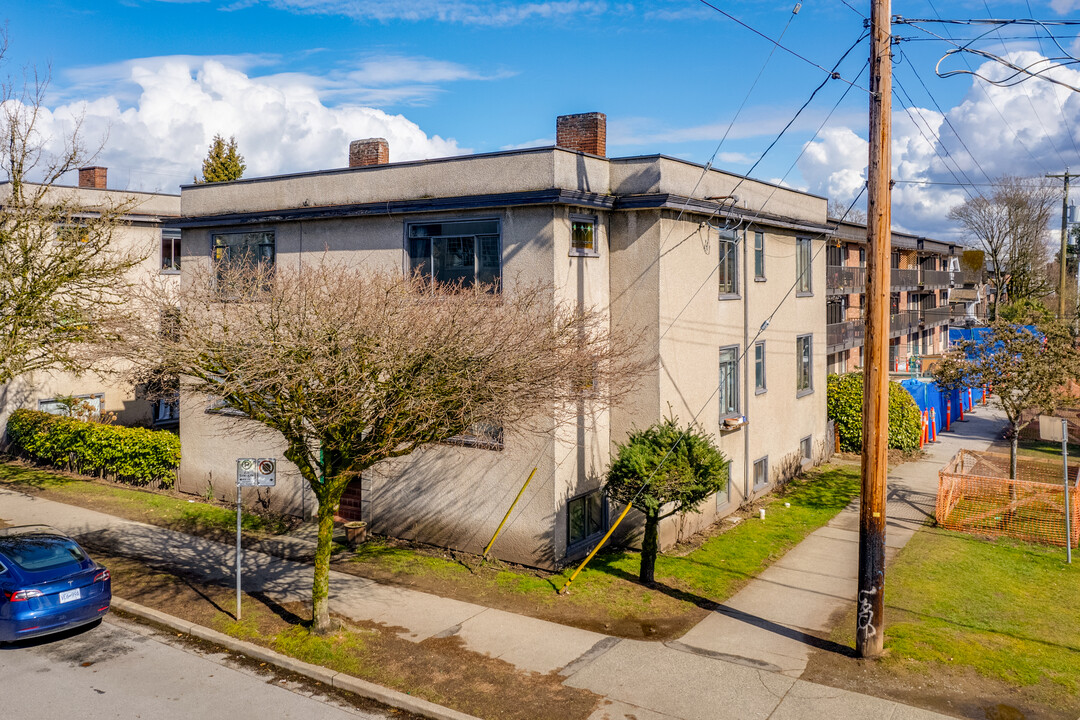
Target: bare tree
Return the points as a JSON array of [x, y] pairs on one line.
[[839, 209], [1027, 370], [60, 275], [352, 365], [1011, 225]]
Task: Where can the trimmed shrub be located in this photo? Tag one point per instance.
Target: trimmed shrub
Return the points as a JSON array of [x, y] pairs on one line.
[[845, 406], [134, 455]]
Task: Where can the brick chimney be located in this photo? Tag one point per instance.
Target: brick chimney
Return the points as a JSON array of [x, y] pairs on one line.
[[370, 151], [586, 132], [92, 177]]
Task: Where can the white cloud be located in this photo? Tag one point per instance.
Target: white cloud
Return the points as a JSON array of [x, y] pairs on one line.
[[281, 124], [484, 12], [1028, 129]]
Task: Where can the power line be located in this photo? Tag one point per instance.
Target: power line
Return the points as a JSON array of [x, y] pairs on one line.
[[1061, 107]]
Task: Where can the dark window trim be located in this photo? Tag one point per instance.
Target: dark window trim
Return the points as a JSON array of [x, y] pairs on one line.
[[578, 252], [171, 234], [405, 258], [762, 277], [798, 359], [764, 387], [574, 547], [735, 365], [753, 470]]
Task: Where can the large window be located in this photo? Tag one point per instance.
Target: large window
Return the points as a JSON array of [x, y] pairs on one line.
[[729, 263], [583, 236], [233, 250], [83, 407], [729, 382], [585, 517], [462, 252], [759, 367], [803, 258], [170, 250], [759, 256], [804, 371]]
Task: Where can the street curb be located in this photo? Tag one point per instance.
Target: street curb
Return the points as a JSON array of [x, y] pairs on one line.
[[341, 681]]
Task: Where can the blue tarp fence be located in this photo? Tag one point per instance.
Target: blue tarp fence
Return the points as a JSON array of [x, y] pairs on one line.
[[928, 395]]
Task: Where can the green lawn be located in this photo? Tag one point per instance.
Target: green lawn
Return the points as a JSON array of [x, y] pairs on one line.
[[607, 590], [156, 508], [1044, 450], [1006, 609]]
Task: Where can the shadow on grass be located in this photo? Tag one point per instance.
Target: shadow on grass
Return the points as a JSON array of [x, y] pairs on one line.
[[276, 608]]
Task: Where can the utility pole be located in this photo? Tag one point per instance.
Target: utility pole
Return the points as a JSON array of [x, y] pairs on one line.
[[870, 625], [1064, 243]]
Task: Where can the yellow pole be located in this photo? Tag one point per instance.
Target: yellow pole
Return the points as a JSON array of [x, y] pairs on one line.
[[506, 517], [596, 549]]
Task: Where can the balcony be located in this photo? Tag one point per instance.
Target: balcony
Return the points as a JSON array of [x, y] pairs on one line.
[[843, 335], [842, 280], [932, 317], [904, 279], [905, 322], [935, 279], [966, 277]]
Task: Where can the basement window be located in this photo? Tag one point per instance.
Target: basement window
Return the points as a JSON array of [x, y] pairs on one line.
[[586, 517]]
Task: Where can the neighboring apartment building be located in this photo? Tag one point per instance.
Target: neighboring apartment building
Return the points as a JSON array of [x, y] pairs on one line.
[[147, 229], [728, 291], [925, 275]]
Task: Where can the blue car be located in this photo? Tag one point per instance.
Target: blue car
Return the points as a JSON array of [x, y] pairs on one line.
[[47, 584]]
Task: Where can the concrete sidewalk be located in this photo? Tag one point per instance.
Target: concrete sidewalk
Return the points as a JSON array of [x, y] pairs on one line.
[[775, 621], [741, 662]]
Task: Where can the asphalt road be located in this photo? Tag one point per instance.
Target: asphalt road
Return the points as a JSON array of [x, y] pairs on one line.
[[120, 669]]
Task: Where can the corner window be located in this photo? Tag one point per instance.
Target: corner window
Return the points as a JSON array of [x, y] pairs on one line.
[[583, 236], [233, 250], [463, 252], [729, 263], [729, 382], [804, 376], [761, 473], [803, 262], [759, 256], [170, 250], [585, 517], [759, 367]]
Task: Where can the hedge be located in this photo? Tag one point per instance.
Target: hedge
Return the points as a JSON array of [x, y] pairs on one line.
[[133, 455], [845, 406]]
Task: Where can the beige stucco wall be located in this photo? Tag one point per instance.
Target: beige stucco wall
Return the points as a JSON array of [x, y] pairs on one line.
[[146, 214]]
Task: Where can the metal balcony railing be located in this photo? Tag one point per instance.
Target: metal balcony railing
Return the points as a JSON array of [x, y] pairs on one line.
[[904, 279], [934, 279], [840, 279], [844, 335], [932, 317], [904, 322]]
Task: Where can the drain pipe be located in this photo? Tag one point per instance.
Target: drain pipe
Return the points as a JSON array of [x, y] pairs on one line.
[[747, 360]]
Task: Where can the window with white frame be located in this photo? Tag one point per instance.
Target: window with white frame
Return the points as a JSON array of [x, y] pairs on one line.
[[759, 367], [759, 256], [583, 236], [78, 406], [585, 517], [804, 375], [761, 473], [729, 382], [729, 263], [803, 261], [170, 250], [457, 252]]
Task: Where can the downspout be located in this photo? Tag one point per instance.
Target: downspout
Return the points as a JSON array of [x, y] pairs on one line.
[[747, 359]]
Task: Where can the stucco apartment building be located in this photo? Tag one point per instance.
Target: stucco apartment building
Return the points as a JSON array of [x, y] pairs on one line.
[[724, 275], [928, 291], [147, 229]]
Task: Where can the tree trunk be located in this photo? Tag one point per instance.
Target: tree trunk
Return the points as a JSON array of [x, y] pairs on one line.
[[650, 545], [1012, 453], [320, 588]]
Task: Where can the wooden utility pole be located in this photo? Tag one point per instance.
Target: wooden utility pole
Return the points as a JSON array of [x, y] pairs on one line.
[[1064, 242], [870, 625]]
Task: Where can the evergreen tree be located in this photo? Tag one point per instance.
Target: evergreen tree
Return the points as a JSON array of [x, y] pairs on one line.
[[223, 162]]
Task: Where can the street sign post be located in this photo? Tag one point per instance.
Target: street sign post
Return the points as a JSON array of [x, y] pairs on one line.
[[250, 472], [1057, 430]]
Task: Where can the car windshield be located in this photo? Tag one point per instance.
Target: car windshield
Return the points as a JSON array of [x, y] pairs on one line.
[[41, 553]]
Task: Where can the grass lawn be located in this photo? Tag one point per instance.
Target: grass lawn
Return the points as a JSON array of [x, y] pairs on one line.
[[164, 508], [1000, 618], [1043, 450], [606, 596]]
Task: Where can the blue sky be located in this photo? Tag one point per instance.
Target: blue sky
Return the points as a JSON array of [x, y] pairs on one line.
[[294, 80]]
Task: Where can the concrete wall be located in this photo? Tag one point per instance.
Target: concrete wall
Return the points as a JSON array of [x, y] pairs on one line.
[[146, 215]]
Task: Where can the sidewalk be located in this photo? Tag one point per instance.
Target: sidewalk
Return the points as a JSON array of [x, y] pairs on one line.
[[742, 662]]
